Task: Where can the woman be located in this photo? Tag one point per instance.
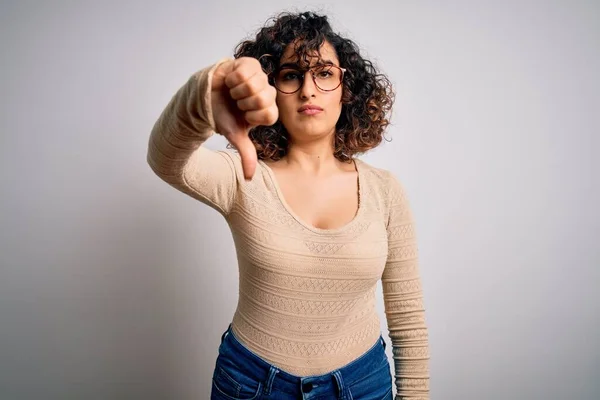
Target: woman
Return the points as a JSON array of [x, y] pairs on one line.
[[314, 227]]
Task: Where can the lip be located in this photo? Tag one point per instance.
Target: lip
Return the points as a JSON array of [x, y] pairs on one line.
[[310, 108]]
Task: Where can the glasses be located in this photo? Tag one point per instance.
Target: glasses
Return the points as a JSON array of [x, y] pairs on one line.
[[326, 77]]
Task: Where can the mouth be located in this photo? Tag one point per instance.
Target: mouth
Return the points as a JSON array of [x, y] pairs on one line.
[[310, 109]]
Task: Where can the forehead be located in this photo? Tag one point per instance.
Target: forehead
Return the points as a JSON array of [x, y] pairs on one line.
[[327, 53]]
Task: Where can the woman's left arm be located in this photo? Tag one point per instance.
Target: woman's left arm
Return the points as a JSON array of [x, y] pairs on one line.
[[403, 299]]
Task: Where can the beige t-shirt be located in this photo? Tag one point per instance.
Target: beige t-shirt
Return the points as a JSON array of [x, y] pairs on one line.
[[306, 295]]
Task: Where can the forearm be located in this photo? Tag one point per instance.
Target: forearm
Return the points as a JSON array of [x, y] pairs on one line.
[[410, 349], [183, 126]]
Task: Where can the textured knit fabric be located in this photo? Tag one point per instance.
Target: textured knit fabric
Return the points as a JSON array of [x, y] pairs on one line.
[[306, 295]]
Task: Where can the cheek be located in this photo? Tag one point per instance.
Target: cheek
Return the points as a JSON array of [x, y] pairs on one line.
[[336, 102]]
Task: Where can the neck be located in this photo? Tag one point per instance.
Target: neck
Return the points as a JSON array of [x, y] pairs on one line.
[[313, 157]]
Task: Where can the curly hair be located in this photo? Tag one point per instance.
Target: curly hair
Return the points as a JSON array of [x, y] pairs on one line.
[[367, 96]]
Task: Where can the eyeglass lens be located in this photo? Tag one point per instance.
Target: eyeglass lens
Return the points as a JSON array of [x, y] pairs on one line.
[[326, 77]]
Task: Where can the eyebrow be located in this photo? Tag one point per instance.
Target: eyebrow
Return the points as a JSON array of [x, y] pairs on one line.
[[296, 66]]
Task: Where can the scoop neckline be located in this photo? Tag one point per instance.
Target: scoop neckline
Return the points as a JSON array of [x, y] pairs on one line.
[[286, 206]]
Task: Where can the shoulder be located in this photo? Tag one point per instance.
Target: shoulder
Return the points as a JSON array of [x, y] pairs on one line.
[[260, 178], [387, 190], [381, 179]]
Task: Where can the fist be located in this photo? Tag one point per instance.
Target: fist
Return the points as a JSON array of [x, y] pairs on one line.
[[242, 98]]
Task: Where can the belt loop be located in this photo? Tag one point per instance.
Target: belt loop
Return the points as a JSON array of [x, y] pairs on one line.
[[225, 333], [272, 372], [383, 342], [340, 384]]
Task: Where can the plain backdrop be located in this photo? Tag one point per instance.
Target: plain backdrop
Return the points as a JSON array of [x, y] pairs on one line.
[[113, 285]]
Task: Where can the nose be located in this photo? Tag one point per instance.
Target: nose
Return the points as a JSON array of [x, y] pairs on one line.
[[308, 88]]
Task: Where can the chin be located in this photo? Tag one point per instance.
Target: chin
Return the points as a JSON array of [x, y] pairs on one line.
[[314, 132]]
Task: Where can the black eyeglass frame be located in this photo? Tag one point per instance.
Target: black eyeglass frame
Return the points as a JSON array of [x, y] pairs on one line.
[[269, 74]]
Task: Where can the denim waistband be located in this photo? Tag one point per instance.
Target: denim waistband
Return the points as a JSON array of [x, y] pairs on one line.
[[260, 369]]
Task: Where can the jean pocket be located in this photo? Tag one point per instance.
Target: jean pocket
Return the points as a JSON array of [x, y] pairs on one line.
[[376, 385], [231, 386]]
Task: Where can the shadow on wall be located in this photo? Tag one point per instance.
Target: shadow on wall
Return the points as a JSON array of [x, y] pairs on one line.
[[137, 292]]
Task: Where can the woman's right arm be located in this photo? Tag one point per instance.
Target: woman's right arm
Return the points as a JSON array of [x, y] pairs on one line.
[[175, 151]]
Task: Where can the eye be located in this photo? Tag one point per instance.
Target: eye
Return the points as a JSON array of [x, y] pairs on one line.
[[290, 75], [324, 74]]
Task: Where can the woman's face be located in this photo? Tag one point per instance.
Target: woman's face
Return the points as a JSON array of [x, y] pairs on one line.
[[302, 125]]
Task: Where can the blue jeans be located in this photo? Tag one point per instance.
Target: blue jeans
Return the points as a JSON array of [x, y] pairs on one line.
[[240, 374]]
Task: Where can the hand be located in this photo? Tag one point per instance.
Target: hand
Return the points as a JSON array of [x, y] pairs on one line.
[[242, 98]]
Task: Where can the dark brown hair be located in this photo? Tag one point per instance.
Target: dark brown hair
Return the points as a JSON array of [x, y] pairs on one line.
[[367, 96]]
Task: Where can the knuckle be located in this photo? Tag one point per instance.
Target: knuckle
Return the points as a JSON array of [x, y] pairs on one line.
[[256, 63], [266, 117], [265, 78], [248, 89], [251, 117], [262, 101], [272, 93], [254, 86], [243, 104], [243, 92], [274, 114], [252, 63], [236, 93], [239, 75]]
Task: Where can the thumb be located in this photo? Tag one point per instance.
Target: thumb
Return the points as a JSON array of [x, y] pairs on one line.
[[247, 151]]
